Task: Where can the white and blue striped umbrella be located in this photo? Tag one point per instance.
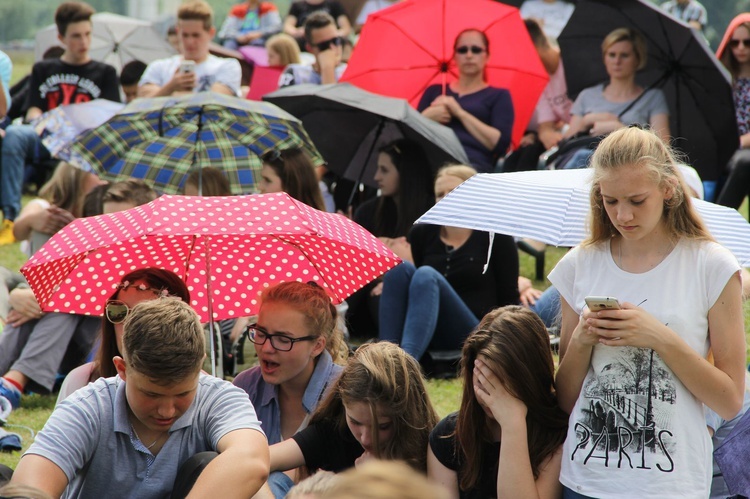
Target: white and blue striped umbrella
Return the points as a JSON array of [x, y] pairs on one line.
[[552, 206]]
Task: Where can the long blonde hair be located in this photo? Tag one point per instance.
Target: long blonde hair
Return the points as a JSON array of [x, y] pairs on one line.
[[286, 47], [65, 188], [633, 147]]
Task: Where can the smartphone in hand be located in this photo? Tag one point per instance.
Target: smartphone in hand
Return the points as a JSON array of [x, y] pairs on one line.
[[598, 303], [187, 66]]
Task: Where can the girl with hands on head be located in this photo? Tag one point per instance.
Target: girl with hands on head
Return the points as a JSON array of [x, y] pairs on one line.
[[635, 380], [505, 440]]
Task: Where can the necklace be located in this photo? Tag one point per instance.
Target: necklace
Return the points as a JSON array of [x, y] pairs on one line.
[[144, 444]]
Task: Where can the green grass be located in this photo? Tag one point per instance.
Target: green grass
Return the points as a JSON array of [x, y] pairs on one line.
[[22, 62]]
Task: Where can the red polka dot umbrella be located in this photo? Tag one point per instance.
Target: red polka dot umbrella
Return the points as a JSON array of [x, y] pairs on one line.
[[226, 249]]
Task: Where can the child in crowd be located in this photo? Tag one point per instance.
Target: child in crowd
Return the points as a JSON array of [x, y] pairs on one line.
[[506, 438], [378, 408], [298, 345], [291, 171], [282, 50]]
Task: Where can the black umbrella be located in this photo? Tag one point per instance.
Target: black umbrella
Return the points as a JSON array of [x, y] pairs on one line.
[[348, 125], [698, 88]]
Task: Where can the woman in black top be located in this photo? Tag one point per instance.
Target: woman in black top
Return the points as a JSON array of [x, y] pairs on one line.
[[437, 301], [506, 439]]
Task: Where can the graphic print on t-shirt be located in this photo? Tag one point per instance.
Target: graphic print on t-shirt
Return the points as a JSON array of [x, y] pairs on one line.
[[68, 88], [628, 413]]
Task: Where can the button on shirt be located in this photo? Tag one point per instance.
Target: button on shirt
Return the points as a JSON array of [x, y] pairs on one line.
[[90, 438], [264, 396]]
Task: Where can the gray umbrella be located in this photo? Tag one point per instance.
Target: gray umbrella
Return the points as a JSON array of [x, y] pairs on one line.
[[348, 125]]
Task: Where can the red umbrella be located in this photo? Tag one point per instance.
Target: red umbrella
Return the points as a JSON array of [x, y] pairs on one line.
[[409, 46], [226, 248]]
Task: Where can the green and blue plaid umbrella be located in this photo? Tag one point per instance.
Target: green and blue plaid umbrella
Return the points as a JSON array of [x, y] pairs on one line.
[[163, 139]]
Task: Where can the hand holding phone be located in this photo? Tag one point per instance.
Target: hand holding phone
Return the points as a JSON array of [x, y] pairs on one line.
[[187, 66]]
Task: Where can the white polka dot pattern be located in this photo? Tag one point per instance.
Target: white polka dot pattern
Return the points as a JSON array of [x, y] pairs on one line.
[[244, 243]]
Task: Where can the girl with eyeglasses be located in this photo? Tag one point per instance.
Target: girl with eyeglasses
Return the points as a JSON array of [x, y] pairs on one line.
[[377, 409], [506, 438], [140, 285], [734, 53], [298, 343], [481, 115]]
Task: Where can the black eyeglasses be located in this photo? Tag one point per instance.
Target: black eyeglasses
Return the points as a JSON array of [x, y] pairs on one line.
[[464, 49], [736, 43], [116, 311], [336, 41], [280, 342]]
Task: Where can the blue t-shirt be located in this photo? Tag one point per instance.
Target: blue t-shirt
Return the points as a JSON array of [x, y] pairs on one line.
[[89, 436], [490, 105]]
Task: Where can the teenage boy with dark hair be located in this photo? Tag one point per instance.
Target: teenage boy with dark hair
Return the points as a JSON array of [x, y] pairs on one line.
[[145, 432], [129, 77], [72, 79], [324, 42]]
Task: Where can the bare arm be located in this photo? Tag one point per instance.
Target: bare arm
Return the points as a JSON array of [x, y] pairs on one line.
[[290, 27], [3, 101], [660, 125], [441, 475], [240, 469], [286, 456], [33, 113], [719, 386], [576, 347], [549, 134], [40, 472], [345, 27], [487, 135]]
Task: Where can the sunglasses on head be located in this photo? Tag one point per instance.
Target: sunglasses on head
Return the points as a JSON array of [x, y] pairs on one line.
[[464, 49], [336, 41], [736, 43], [116, 311]]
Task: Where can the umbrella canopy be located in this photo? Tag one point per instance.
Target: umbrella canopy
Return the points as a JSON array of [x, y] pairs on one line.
[[163, 139], [60, 126], [552, 206], [115, 39], [349, 125], [407, 47], [698, 88], [226, 249]]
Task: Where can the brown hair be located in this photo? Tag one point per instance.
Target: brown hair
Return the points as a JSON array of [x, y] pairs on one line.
[[286, 47], [538, 38], [384, 376], [320, 314], [297, 174], [65, 188], [133, 190], [515, 345], [633, 147], [213, 181], [197, 10], [164, 340], [635, 38], [151, 277], [317, 20], [72, 12]]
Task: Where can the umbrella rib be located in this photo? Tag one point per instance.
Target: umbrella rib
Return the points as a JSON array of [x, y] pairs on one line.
[[314, 265], [409, 37]]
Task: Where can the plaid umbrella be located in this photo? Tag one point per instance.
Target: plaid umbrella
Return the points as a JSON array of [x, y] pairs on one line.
[[163, 139]]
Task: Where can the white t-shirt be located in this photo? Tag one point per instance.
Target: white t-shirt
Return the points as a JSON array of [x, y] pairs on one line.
[[677, 462], [212, 70], [553, 16], [554, 104]]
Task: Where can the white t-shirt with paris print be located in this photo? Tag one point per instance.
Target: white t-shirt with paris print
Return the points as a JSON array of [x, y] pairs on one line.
[[635, 430]]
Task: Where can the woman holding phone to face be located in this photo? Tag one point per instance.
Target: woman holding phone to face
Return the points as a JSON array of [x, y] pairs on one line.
[[635, 380]]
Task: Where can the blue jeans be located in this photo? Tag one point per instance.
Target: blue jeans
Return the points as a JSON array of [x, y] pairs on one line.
[[579, 160], [420, 309], [280, 484], [20, 146], [547, 307]]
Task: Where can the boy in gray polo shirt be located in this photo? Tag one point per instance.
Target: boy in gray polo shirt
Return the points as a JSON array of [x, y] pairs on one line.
[[127, 436]]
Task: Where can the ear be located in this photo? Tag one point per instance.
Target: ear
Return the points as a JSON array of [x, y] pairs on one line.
[[320, 345], [120, 365]]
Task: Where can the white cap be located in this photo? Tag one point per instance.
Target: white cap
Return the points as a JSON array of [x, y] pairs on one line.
[[692, 179]]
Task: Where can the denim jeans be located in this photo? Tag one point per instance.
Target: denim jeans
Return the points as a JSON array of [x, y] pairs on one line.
[[20, 146], [547, 307], [280, 484], [420, 309]]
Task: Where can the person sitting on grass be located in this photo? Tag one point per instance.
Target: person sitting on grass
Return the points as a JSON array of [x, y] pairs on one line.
[[160, 426]]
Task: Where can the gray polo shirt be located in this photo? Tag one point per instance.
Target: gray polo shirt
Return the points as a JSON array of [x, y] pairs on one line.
[[90, 438]]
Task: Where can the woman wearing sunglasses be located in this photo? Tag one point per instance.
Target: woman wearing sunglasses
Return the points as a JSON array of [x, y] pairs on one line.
[[734, 53], [137, 286], [481, 115], [298, 343]]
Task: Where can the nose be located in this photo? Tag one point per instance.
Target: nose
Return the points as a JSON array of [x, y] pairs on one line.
[[624, 213], [267, 346], [365, 438], [166, 409]]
